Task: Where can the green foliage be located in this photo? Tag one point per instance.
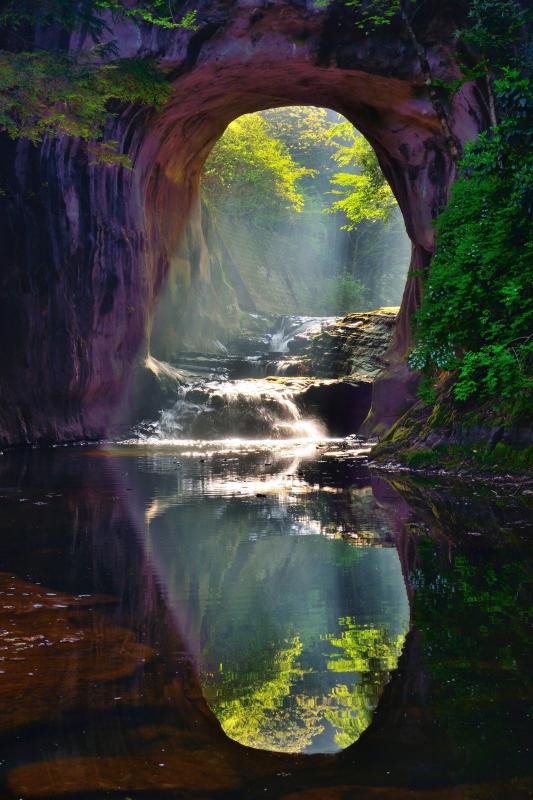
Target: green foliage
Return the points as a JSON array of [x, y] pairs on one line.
[[50, 94], [364, 192], [263, 718], [340, 295], [470, 604], [364, 649], [376, 254], [494, 31], [483, 459], [372, 652], [254, 170], [249, 184], [304, 130], [89, 14], [370, 14], [490, 43], [477, 313], [264, 194]]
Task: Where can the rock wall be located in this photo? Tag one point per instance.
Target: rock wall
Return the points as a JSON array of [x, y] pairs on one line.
[[86, 248]]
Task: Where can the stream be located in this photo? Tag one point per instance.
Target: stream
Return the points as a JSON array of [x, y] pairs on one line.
[[241, 391], [230, 603]]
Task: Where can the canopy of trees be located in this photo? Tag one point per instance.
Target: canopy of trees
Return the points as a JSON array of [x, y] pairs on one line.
[[364, 194], [281, 167], [254, 170]]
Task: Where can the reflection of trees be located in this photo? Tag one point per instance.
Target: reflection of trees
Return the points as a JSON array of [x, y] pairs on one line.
[[263, 599], [275, 714], [473, 612], [346, 512], [373, 653], [262, 718], [364, 650]]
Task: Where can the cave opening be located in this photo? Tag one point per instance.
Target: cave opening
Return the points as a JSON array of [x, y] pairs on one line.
[[283, 292], [116, 234]]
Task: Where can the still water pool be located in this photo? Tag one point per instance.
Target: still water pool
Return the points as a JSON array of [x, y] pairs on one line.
[[291, 602], [260, 620]]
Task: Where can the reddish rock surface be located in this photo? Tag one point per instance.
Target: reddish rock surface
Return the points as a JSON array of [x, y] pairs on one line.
[[86, 248]]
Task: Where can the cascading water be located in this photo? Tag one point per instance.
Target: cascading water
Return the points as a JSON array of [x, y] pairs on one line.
[[251, 408], [230, 396], [290, 327]]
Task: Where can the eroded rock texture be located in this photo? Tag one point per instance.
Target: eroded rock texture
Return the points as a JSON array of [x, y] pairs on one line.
[[86, 248]]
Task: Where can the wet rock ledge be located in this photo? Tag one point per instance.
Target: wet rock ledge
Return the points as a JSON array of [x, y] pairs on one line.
[[329, 370], [337, 366], [352, 347]]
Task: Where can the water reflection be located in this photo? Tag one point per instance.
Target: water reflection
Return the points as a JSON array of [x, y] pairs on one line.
[[113, 568], [295, 617]]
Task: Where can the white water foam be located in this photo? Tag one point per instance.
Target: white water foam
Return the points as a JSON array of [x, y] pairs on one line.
[[252, 408]]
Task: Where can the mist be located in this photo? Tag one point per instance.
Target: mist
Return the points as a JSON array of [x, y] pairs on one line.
[[266, 239]]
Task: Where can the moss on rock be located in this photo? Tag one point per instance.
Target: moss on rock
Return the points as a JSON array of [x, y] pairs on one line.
[[452, 435]]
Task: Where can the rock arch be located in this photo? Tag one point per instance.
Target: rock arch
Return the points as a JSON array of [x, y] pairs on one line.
[[87, 247]]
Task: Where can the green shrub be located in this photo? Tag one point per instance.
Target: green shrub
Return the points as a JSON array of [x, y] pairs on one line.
[[341, 295], [477, 313]]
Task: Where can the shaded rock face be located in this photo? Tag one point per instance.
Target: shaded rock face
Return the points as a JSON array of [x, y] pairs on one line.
[[352, 346], [86, 248], [441, 432], [342, 405]]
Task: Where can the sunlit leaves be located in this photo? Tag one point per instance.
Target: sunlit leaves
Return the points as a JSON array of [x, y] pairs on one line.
[[259, 719], [264, 718], [249, 164], [372, 652], [305, 130], [363, 193], [362, 649], [50, 94]]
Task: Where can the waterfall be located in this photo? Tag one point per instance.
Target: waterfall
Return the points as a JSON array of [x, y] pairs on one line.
[[290, 327], [229, 394], [252, 408]]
